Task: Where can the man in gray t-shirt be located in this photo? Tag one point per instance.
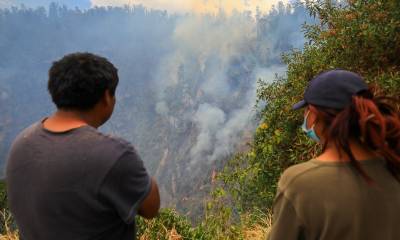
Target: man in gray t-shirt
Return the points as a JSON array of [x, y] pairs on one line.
[[66, 180]]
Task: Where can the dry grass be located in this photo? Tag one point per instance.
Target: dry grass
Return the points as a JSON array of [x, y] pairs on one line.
[[259, 231], [9, 234], [170, 234], [174, 235]]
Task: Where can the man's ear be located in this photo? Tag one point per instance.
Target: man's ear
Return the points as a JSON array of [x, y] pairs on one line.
[[108, 98]]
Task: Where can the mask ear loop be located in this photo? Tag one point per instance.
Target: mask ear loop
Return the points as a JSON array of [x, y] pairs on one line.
[[306, 121], [308, 113], [310, 132]]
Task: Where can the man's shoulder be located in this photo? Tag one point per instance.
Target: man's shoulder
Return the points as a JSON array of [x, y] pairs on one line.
[[297, 174], [103, 143], [27, 132], [100, 136], [83, 137]]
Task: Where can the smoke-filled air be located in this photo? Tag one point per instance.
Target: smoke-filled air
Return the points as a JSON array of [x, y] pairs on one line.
[[188, 75]]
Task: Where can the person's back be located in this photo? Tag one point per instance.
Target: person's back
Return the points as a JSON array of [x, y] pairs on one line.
[[328, 201], [352, 189], [66, 180]]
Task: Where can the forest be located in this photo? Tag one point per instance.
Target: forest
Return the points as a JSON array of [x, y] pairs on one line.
[[206, 99], [185, 105]]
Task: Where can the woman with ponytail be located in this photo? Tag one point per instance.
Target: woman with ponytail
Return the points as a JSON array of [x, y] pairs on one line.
[[352, 190]]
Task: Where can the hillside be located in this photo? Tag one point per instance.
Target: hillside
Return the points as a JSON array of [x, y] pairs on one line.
[[361, 36], [184, 105]]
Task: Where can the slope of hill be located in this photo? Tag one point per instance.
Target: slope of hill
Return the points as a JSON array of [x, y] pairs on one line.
[[356, 35], [188, 83]]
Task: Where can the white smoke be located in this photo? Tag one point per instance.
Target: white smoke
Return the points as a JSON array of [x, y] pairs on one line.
[[82, 4], [223, 136], [229, 134], [5, 3], [206, 39], [208, 119], [162, 108], [220, 110]]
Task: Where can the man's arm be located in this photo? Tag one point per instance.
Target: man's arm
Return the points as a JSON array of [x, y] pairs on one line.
[[130, 190], [151, 204]]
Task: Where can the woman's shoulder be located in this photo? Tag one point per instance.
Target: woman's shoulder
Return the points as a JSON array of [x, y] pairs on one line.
[[297, 173]]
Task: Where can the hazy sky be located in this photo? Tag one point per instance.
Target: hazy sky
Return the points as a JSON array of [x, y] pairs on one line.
[[83, 4], [195, 5], [198, 6]]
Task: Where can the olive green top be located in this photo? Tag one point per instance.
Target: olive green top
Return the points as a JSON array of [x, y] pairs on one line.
[[330, 201]]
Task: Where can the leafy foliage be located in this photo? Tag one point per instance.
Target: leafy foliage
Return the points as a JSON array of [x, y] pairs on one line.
[[6, 220], [167, 225], [360, 36], [175, 72], [216, 226]]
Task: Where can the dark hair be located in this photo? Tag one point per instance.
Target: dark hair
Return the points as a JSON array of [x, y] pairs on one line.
[[374, 122], [79, 80]]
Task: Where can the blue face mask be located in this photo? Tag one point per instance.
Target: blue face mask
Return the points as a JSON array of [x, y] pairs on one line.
[[310, 132]]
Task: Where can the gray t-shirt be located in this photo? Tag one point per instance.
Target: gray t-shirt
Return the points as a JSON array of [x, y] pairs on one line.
[[78, 184]]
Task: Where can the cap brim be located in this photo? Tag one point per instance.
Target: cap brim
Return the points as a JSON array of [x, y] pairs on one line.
[[299, 105]]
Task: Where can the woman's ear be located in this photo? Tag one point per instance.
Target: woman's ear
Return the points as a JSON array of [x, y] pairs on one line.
[[315, 119]]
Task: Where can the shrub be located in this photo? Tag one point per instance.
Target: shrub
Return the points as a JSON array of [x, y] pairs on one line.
[[169, 225], [357, 35]]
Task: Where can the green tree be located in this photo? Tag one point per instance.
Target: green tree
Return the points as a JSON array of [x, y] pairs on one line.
[[357, 35]]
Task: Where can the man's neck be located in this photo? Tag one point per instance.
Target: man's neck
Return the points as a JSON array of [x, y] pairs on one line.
[[63, 120]]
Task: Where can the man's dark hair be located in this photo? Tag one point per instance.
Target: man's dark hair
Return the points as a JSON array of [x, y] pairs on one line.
[[78, 81]]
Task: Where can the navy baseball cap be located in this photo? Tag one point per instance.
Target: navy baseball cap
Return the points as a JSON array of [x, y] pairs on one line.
[[332, 89]]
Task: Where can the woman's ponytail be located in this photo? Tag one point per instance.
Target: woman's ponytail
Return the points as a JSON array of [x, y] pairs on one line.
[[379, 124], [374, 121]]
